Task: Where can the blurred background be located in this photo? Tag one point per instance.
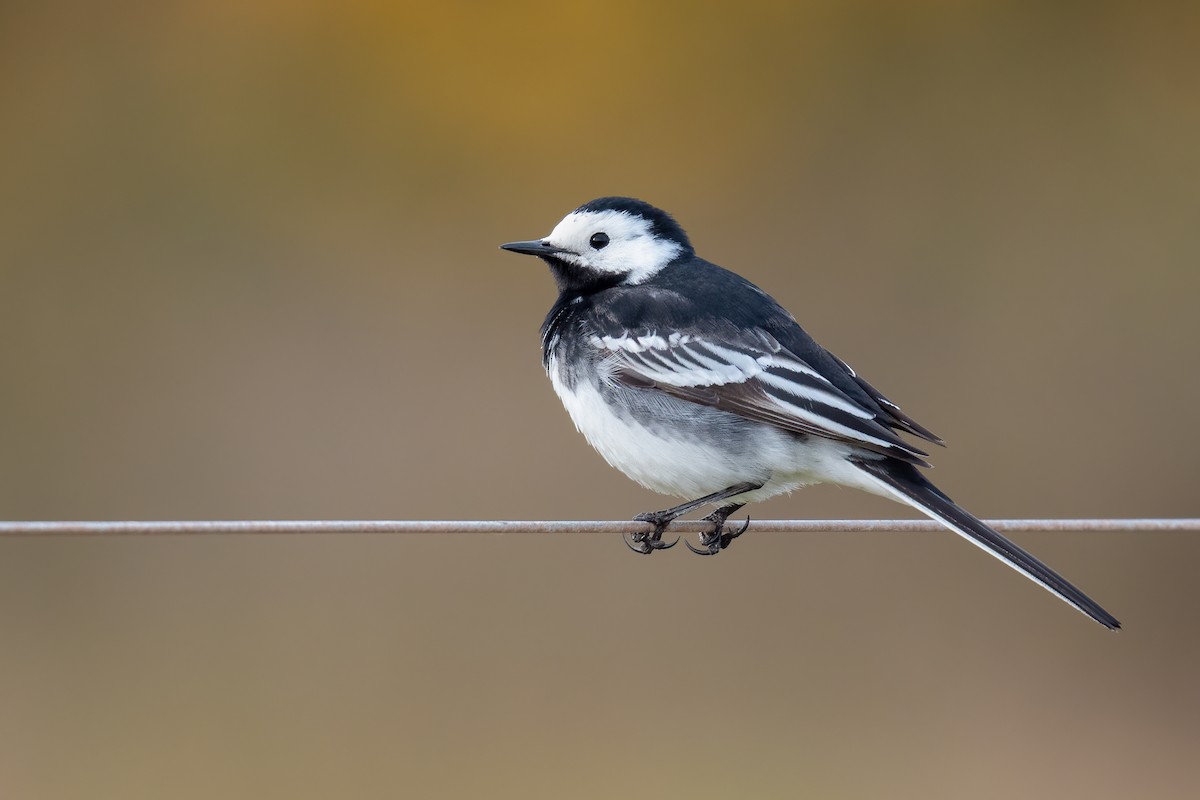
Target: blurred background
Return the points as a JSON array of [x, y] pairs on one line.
[[248, 269]]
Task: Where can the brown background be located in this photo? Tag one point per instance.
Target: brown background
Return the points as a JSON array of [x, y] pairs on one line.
[[248, 269]]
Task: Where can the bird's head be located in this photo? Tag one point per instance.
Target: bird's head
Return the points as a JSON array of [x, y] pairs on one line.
[[607, 242]]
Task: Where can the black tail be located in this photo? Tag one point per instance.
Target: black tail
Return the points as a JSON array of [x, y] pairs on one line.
[[913, 487]]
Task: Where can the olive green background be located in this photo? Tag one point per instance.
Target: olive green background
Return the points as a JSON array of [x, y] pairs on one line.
[[248, 269]]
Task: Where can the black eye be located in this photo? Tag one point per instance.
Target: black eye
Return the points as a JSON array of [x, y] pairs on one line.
[[598, 241]]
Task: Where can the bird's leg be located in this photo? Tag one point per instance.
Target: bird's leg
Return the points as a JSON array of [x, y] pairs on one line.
[[647, 543], [716, 540]]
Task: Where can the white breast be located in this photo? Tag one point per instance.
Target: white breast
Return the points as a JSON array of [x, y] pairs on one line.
[[681, 458]]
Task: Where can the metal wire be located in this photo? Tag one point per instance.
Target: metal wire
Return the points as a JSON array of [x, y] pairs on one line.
[[248, 527]]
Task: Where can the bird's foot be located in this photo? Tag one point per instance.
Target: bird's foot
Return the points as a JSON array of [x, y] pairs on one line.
[[716, 540], [647, 543]]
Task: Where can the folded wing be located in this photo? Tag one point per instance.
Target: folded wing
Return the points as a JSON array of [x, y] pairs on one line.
[[752, 375]]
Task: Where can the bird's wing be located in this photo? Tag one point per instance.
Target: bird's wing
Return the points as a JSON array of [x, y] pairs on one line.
[[893, 417], [749, 373]]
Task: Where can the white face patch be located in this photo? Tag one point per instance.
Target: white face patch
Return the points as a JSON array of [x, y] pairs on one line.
[[631, 249]]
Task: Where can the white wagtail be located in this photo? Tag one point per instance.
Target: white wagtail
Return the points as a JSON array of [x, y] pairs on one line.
[[695, 383]]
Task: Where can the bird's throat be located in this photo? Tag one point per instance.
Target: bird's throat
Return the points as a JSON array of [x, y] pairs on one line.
[[574, 280]]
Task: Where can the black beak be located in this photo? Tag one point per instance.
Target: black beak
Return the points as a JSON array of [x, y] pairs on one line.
[[536, 247]]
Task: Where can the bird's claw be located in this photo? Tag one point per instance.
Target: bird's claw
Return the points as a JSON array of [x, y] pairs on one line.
[[716, 540], [647, 543]]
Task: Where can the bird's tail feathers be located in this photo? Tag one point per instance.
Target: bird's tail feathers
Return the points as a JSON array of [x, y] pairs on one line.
[[902, 481]]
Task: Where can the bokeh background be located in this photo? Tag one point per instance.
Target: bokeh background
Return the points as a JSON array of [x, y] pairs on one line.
[[248, 269]]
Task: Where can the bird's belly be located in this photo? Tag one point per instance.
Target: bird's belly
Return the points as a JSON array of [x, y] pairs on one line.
[[675, 447]]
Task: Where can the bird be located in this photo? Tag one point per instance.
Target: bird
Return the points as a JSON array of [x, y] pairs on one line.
[[696, 383]]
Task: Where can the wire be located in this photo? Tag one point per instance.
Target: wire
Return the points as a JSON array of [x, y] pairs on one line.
[[251, 527]]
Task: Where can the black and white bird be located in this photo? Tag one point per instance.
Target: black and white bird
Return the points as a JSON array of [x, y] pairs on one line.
[[696, 383]]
